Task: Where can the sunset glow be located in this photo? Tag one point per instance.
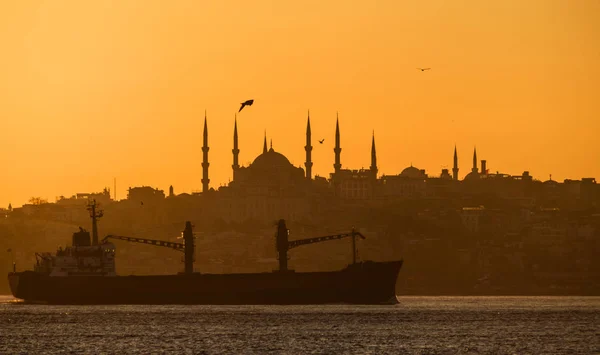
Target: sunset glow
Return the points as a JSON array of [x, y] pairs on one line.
[[91, 91]]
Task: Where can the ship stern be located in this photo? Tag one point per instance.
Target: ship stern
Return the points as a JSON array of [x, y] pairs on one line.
[[13, 282], [25, 285]]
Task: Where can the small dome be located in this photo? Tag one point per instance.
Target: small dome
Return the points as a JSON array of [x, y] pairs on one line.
[[412, 172], [473, 175]]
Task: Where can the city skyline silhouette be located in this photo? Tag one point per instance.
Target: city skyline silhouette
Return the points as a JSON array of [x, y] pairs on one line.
[[466, 162], [121, 97]]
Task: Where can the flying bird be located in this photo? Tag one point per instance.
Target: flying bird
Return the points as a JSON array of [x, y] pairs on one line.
[[246, 103], [321, 141], [423, 69]]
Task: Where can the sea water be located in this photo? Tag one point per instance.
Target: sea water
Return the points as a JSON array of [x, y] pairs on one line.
[[417, 325]]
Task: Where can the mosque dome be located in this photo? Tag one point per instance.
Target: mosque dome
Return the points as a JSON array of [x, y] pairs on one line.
[[412, 172], [550, 183], [273, 168], [271, 159]]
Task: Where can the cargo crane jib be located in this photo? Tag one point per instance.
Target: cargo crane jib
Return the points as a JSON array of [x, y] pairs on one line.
[[187, 247], [283, 244]]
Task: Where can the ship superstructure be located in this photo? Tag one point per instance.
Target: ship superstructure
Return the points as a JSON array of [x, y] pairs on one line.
[[79, 259], [85, 256]]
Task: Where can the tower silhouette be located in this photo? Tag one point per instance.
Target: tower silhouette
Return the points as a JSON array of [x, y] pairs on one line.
[[235, 150], [205, 163], [337, 150], [265, 143], [308, 148], [455, 168], [373, 157], [474, 169]]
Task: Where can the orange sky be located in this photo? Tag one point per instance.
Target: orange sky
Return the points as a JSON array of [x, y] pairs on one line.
[[96, 90]]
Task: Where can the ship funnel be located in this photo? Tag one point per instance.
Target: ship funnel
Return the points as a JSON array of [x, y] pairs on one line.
[[81, 238]]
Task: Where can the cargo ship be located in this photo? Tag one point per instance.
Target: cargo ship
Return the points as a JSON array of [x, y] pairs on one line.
[[85, 273]]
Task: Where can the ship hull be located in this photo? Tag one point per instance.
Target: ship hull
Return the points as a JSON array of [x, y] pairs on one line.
[[361, 283]]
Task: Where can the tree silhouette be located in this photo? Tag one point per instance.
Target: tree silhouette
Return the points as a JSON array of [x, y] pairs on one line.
[[37, 201]]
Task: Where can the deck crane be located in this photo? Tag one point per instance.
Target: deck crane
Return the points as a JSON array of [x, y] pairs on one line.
[[283, 244], [187, 247]]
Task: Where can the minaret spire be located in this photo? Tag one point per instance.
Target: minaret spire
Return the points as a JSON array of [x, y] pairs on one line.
[[455, 168], [235, 150], [373, 157], [205, 164], [337, 150], [265, 143], [308, 148], [474, 169]]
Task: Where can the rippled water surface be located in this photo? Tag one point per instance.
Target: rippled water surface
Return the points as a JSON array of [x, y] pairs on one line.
[[418, 325]]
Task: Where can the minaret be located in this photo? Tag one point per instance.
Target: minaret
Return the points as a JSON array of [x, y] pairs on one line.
[[337, 150], [373, 157], [474, 169], [265, 144], [205, 164], [455, 168], [235, 150], [308, 148]]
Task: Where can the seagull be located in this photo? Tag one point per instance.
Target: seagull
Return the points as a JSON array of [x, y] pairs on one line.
[[246, 103], [423, 69], [321, 141]]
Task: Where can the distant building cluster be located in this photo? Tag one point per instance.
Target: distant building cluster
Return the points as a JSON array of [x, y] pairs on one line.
[[271, 187]]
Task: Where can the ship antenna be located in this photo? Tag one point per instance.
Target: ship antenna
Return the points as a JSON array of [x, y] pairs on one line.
[[94, 214]]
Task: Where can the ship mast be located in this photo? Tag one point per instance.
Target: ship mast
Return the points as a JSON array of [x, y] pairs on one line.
[[94, 214]]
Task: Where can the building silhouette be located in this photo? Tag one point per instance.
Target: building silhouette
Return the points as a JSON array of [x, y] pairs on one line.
[[272, 187], [455, 166], [308, 148], [205, 163]]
